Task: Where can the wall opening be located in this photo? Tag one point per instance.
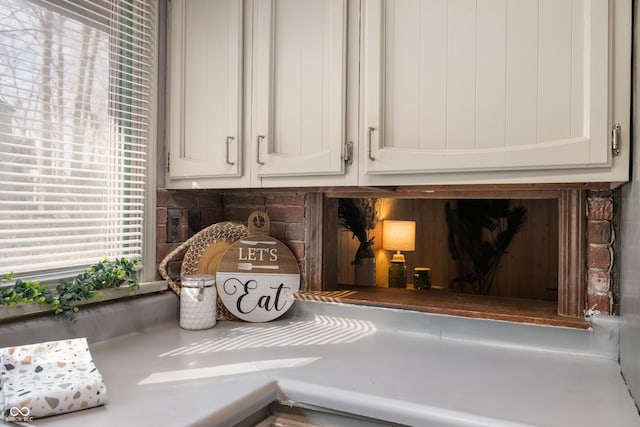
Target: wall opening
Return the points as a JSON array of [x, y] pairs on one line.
[[527, 269], [544, 268]]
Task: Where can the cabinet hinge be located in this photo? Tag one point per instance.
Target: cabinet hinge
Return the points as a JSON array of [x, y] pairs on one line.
[[348, 153], [615, 139], [168, 162]]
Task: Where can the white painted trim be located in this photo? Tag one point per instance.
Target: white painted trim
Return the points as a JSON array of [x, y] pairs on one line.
[[149, 266]]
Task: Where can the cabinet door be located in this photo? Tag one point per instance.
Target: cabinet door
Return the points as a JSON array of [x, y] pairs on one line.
[[299, 87], [205, 54], [478, 85]]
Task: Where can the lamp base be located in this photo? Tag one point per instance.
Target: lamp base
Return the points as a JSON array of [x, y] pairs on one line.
[[397, 274]]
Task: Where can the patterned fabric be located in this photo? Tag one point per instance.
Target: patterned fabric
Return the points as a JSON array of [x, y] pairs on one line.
[[196, 246], [51, 378]]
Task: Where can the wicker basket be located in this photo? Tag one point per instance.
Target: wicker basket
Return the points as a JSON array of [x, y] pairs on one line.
[[203, 251]]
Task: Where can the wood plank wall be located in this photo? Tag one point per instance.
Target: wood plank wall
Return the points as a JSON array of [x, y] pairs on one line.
[[528, 270]]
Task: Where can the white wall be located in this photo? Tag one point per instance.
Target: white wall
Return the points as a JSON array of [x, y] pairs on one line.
[[630, 250]]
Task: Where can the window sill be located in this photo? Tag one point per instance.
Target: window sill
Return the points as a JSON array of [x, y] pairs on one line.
[[437, 301], [24, 310]]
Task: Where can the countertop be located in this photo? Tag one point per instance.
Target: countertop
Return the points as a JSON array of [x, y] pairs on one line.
[[404, 367]]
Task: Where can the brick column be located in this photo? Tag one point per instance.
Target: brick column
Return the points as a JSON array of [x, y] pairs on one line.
[[600, 250]]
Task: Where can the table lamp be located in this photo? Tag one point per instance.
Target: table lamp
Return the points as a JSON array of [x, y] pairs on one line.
[[398, 236]]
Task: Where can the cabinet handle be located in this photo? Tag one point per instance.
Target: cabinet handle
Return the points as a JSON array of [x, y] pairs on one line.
[[229, 162], [615, 139], [369, 132], [260, 138]]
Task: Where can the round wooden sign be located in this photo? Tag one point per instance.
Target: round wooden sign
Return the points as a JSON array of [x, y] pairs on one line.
[[258, 274]]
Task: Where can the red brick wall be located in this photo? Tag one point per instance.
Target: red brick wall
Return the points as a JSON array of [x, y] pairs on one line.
[[208, 202], [286, 211], [600, 260]]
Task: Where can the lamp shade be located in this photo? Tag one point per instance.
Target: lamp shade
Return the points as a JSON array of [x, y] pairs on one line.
[[399, 235]]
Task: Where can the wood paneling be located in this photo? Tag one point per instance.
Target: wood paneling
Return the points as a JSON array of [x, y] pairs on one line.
[[314, 271], [528, 270], [571, 283]]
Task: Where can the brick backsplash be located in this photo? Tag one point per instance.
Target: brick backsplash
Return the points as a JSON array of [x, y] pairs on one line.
[[209, 203], [601, 257], [286, 211]]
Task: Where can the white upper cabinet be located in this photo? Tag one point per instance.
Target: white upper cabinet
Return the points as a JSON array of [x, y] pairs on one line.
[[299, 87], [205, 89], [274, 71], [490, 85], [282, 93]]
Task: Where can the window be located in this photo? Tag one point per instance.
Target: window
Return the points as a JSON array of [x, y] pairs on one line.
[[76, 106]]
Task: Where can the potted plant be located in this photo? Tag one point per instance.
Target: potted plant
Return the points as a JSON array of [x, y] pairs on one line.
[[360, 216]]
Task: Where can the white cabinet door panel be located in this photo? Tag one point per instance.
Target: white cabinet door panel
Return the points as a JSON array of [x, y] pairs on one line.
[[490, 122], [521, 82], [554, 70], [455, 85], [205, 88], [461, 73], [299, 84]]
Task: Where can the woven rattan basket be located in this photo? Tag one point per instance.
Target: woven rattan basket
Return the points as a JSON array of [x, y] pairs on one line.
[[203, 252]]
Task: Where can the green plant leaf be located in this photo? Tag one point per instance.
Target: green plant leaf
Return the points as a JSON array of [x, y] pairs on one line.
[[102, 275]]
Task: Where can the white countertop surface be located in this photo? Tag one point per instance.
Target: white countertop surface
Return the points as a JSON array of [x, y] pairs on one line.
[[347, 359]]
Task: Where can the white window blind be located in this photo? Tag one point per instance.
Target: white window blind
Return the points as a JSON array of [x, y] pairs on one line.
[[75, 89]]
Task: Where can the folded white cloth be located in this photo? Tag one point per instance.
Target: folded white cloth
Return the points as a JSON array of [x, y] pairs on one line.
[[50, 378]]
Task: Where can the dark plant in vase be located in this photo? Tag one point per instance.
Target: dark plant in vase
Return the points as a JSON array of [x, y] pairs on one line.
[[479, 233], [360, 216]]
